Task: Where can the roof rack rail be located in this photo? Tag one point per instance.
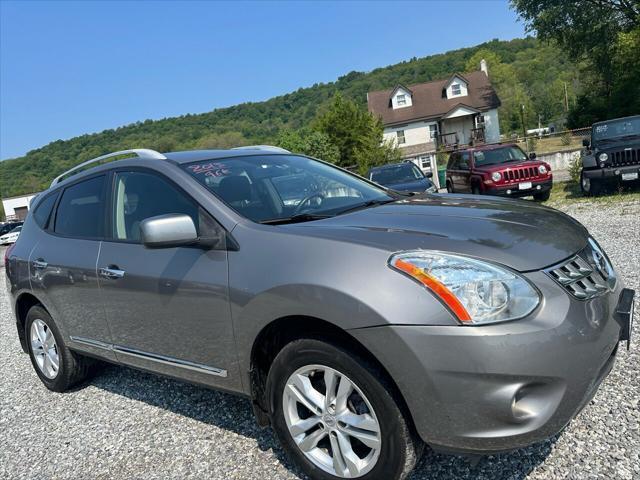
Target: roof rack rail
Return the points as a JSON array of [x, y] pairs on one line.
[[140, 152], [266, 148]]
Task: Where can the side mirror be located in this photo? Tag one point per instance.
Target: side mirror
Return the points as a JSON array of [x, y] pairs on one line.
[[586, 142], [164, 231], [429, 174], [532, 155]]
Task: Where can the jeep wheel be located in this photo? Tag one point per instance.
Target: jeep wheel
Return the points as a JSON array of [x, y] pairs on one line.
[[449, 187], [475, 189], [590, 186], [543, 196], [335, 415], [57, 366]]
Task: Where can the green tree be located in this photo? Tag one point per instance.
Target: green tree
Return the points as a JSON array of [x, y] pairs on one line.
[[309, 142], [603, 36], [356, 133]]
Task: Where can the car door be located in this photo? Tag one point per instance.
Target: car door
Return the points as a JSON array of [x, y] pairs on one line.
[[62, 265], [168, 308]]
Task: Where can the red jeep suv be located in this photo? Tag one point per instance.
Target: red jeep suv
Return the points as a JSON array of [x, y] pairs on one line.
[[498, 170]]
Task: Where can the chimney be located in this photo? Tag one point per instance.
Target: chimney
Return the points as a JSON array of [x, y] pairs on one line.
[[483, 67]]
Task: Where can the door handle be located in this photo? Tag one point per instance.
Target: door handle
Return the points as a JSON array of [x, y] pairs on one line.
[[111, 272], [39, 264]]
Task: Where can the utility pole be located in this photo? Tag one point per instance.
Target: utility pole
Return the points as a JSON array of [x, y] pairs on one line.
[[566, 98], [524, 130]]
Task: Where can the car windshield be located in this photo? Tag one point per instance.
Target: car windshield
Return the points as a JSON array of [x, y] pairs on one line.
[[499, 155], [616, 129], [16, 230], [396, 174], [276, 188]]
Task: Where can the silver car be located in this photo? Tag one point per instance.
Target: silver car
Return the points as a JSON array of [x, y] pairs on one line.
[[361, 323]]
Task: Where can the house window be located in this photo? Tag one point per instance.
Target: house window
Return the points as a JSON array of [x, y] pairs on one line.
[[400, 137], [425, 162], [401, 100], [480, 121], [455, 89], [433, 131]]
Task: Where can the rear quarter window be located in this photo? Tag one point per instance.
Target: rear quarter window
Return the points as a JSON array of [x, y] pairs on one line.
[[42, 213]]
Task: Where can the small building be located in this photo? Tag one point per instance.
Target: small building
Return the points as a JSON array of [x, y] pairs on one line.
[[16, 208], [440, 115]]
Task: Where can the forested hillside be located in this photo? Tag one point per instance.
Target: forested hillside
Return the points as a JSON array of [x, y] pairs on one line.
[[525, 72]]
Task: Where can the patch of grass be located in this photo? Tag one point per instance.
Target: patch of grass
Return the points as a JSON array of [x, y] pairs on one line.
[[555, 144], [564, 193]]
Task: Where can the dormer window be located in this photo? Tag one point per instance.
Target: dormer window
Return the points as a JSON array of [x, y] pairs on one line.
[[401, 99], [456, 90]]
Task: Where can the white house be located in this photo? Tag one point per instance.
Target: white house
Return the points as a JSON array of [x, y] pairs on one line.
[[460, 110], [16, 208]]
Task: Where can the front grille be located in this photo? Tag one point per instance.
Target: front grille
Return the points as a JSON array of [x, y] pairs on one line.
[[581, 277], [630, 156], [524, 173]]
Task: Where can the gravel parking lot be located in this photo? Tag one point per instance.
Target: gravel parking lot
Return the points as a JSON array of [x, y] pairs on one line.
[[129, 424]]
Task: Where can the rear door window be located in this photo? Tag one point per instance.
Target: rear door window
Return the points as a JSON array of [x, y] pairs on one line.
[[80, 212]]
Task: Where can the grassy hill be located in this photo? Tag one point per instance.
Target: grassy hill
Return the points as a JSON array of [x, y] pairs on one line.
[[523, 70]]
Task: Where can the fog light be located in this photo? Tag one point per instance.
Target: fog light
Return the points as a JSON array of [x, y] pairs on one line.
[[602, 164], [508, 192], [617, 172], [538, 187]]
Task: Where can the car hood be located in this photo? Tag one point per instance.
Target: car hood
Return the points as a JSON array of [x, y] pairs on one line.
[[517, 233], [410, 187], [499, 167]]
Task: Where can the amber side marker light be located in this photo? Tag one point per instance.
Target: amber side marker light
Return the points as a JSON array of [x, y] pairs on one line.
[[436, 287]]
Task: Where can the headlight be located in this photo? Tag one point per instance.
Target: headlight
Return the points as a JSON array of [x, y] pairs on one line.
[[603, 157], [542, 169], [476, 292], [495, 176]]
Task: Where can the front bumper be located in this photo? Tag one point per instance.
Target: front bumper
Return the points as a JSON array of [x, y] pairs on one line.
[[611, 173], [513, 190], [505, 386]]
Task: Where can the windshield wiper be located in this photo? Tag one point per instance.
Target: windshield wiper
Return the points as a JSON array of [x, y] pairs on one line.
[[367, 204], [300, 217]]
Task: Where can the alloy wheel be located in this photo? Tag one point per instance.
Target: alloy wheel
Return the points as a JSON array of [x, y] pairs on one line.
[[44, 348], [332, 421]]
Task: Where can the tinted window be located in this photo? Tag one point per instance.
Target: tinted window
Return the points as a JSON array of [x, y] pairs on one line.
[[80, 211], [140, 195], [43, 210], [398, 174]]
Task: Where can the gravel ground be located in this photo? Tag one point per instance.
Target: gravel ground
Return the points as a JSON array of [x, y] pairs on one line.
[[128, 424]]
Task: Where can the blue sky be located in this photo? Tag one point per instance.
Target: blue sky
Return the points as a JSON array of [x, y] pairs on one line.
[[69, 68]]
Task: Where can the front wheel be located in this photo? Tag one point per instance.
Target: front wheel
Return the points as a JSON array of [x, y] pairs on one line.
[[449, 187], [590, 186], [542, 197], [336, 417]]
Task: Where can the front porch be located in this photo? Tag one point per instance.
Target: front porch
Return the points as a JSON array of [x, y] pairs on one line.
[[460, 128]]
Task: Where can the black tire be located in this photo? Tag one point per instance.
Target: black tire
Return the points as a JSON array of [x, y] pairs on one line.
[[400, 448], [590, 186], [449, 187], [475, 189], [72, 367], [542, 197]]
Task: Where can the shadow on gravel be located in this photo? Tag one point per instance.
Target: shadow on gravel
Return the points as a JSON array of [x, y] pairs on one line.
[[234, 413]]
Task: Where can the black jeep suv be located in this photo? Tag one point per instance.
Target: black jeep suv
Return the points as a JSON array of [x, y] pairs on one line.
[[613, 154]]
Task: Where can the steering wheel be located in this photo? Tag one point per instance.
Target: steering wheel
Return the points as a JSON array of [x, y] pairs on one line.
[[306, 200]]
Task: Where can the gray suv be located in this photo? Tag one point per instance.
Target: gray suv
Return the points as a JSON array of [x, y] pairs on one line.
[[362, 324]]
